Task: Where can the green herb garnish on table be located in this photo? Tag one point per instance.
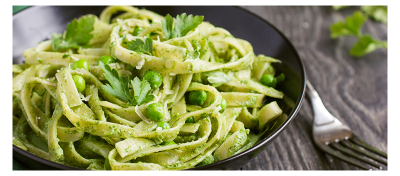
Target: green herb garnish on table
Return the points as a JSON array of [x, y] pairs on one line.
[[352, 27]]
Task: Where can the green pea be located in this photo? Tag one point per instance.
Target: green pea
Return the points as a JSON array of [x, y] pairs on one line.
[[197, 97], [82, 63], [155, 112], [163, 125], [106, 60], [169, 143], [190, 120], [223, 105], [268, 80], [79, 82], [154, 78]]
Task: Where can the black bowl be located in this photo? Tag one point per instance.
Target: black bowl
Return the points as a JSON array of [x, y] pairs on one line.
[[36, 24]]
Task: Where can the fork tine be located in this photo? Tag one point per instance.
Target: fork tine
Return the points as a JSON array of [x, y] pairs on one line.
[[355, 139], [354, 155], [340, 156], [363, 152]]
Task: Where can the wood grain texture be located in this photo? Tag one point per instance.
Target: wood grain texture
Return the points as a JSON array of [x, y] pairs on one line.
[[353, 90]]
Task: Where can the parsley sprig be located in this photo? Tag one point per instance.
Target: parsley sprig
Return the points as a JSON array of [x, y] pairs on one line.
[[365, 45], [352, 27], [77, 34], [119, 87], [141, 91], [183, 25], [139, 46]]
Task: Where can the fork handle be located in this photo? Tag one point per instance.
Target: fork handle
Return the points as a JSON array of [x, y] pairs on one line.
[[321, 115]]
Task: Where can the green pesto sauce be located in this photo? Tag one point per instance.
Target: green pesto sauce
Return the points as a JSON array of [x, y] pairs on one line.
[[37, 141], [252, 100], [240, 140]]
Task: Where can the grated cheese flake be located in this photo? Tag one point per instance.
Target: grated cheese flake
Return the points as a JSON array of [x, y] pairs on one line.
[[129, 37], [74, 58], [218, 108], [169, 92], [117, 52], [130, 23], [83, 98], [109, 105], [140, 63], [167, 116], [140, 114]]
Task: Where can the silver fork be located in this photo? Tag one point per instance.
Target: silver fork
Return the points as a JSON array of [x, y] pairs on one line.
[[337, 140]]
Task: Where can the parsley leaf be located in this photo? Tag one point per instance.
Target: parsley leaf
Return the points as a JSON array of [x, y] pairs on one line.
[[217, 78], [77, 34], [167, 24], [119, 87], [183, 25], [352, 25], [379, 13], [365, 45], [142, 91], [137, 30], [139, 46], [65, 56]]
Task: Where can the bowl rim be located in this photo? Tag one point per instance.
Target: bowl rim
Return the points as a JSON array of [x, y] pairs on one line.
[[257, 146]]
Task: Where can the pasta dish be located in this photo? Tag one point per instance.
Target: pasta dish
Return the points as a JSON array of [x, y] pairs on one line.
[[141, 91]]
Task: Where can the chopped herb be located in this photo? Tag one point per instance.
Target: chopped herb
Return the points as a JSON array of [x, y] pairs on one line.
[[142, 91], [124, 40], [365, 45], [65, 56], [139, 46], [119, 87], [137, 30], [352, 25], [77, 34], [183, 25]]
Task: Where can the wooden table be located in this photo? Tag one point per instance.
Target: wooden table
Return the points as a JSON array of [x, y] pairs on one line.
[[353, 90]]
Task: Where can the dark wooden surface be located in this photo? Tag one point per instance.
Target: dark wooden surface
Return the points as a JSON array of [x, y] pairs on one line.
[[353, 90]]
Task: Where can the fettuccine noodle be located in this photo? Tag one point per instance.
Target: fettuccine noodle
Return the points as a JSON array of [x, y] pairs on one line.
[[94, 129]]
